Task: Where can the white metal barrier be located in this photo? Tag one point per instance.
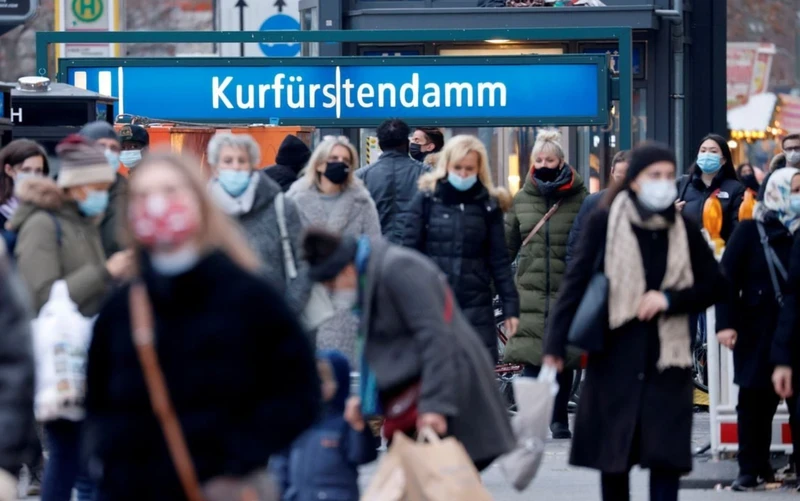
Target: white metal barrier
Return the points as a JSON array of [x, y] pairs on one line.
[[723, 396]]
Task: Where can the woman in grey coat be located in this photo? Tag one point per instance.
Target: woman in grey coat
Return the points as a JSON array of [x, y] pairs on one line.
[[329, 196], [252, 198], [422, 361]]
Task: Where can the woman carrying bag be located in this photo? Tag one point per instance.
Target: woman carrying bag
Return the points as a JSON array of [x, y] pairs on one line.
[[636, 405]]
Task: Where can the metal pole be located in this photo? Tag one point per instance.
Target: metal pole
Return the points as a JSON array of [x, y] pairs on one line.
[[626, 89], [678, 92]]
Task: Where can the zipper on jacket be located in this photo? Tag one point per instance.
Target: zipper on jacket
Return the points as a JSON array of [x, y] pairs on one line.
[[547, 265]]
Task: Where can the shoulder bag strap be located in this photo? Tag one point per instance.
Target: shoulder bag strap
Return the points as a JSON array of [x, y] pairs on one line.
[[288, 256], [142, 333], [541, 223], [772, 263]]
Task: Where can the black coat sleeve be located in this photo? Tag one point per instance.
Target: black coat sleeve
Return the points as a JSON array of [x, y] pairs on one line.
[[500, 265], [784, 342], [16, 371], [587, 206], [574, 283], [733, 264], [414, 233], [709, 283]]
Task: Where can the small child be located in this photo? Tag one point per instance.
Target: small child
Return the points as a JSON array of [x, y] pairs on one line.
[[323, 463]]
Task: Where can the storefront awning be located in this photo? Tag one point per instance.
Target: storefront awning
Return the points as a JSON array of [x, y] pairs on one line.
[[756, 115]]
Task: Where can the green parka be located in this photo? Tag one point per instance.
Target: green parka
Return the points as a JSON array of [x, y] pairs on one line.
[[77, 259], [543, 261]]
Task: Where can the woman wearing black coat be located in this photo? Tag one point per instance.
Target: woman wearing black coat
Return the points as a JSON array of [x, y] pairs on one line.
[[636, 405], [238, 368], [748, 318], [457, 221], [713, 174]]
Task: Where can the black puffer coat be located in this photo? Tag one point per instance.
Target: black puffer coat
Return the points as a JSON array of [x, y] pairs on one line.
[[462, 232], [751, 308], [693, 191]]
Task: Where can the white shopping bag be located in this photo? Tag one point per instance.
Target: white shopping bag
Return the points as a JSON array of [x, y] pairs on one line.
[[61, 343], [534, 397]]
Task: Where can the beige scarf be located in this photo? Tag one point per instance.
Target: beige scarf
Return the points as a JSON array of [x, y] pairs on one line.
[[623, 267]]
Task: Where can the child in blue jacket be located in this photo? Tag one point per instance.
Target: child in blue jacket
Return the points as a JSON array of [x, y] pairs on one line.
[[323, 463]]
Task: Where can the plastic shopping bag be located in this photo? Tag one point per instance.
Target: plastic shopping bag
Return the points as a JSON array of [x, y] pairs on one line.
[[535, 399], [438, 469], [61, 343]]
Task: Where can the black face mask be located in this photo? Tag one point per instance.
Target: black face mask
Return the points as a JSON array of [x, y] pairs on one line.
[[547, 175], [337, 172], [415, 150]]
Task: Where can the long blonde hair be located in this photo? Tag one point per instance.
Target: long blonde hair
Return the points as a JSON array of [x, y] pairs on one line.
[[217, 230], [321, 154], [454, 151]]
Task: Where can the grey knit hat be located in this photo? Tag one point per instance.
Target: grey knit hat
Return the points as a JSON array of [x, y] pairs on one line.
[[81, 163], [99, 130]]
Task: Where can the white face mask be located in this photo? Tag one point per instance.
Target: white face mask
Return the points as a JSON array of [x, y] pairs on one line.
[[793, 158], [344, 299], [130, 158], [657, 195], [175, 263]]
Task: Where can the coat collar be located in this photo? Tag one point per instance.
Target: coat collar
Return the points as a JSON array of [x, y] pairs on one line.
[[568, 184]]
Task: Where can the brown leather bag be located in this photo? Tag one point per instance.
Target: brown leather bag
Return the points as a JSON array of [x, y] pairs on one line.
[[541, 223], [256, 487]]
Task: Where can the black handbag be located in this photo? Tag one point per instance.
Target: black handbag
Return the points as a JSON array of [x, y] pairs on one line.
[[589, 325]]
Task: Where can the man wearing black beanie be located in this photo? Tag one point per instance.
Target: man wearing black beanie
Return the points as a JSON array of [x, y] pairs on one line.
[[292, 157]]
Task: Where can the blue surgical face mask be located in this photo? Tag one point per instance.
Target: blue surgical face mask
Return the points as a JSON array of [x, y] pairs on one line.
[[22, 176], [175, 263], [709, 163], [794, 203], [461, 183], [130, 158], [113, 159], [95, 204], [234, 182]]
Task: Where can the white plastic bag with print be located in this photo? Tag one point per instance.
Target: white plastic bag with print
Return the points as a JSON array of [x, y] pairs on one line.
[[535, 398], [61, 338]]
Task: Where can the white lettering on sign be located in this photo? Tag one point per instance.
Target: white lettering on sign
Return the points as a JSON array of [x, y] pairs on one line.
[[16, 115], [299, 94]]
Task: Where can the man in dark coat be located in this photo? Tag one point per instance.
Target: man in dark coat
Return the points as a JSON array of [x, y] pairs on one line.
[[292, 157], [18, 440], [101, 133], [619, 166], [415, 335], [392, 180]]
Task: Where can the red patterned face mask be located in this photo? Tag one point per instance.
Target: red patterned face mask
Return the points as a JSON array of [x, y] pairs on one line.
[[160, 221]]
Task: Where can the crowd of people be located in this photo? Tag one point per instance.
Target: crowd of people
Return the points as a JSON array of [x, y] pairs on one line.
[[231, 304]]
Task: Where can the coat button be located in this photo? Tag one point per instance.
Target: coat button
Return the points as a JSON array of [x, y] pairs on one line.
[[641, 376]]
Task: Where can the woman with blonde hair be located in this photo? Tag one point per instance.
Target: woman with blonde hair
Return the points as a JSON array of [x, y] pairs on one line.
[[330, 197], [457, 221], [224, 338], [537, 233]]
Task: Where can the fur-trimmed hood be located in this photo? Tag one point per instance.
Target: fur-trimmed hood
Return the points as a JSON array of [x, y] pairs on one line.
[[33, 195], [427, 184]]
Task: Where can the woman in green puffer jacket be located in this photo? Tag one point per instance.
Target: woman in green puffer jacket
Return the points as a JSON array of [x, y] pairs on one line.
[[551, 186]]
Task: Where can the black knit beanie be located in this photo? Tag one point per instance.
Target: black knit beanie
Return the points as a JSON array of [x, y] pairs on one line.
[[293, 153], [645, 155]]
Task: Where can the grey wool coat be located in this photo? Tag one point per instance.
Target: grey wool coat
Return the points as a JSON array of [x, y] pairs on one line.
[[416, 331], [260, 225], [352, 213]]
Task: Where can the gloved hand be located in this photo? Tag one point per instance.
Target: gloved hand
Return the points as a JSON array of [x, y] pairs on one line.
[[8, 486]]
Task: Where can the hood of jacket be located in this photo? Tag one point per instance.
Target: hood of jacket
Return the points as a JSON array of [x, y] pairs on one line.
[[341, 371], [568, 183], [34, 195], [293, 153]]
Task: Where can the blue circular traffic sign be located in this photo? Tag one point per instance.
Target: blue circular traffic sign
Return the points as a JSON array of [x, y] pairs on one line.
[[276, 23]]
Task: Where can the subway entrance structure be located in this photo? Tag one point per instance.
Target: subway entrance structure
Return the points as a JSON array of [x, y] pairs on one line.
[[360, 91]]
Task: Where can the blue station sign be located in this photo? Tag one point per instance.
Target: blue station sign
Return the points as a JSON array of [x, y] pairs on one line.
[[355, 91]]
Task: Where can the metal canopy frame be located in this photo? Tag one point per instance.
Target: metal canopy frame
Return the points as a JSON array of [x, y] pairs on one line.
[[599, 117], [622, 35]]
